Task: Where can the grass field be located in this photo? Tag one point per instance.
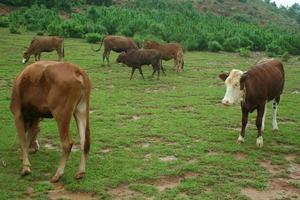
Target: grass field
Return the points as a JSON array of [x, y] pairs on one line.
[[166, 139]]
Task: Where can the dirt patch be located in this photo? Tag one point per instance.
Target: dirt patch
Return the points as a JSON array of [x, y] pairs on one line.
[[105, 150], [49, 145], [147, 156], [239, 156], [165, 183], [123, 192], [4, 9], [282, 145], [135, 117], [59, 192], [193, 160], [294, 171], [233, 128], [273, 169], [213, 153], [168, 158], [290, 157], [279, 189], [145, 145], [286, 121], [75, 147]]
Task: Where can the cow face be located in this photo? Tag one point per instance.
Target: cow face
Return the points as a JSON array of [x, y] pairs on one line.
[[121, 58], [26, 57], [232, 81]]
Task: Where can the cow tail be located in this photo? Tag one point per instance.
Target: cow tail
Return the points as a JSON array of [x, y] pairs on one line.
[[87, 84], [96, 50]]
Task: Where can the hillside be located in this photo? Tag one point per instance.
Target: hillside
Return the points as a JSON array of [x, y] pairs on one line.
[[255, 11]]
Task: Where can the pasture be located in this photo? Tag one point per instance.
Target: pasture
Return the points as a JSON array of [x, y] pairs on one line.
[[166, 139]]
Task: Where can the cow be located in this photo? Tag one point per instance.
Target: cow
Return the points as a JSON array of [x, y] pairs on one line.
[[44, 44], [253, 89], [116, 43], [168, 52], [136, 58], [50, 89]]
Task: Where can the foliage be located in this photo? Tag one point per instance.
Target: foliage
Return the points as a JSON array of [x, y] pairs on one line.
[[14, 28], [4, 22], [214, 46], [93, 37], [163, 21], [285, 57]]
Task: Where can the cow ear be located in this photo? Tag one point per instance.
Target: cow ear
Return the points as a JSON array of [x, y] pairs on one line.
[[243, 80], [223, 76]]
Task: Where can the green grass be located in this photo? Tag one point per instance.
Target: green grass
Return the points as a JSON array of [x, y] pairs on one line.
[[179, 116]]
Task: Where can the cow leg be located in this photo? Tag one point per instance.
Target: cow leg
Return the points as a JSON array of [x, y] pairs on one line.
[[33, 130], [39, 56], [35, 57], [20, 125], [132, 72], [158, 72], [81, 121], [163, 70], [154, 70], [263, 119], [259, 117], [141, 72], [63, 123], [275, 108], [245, 114]]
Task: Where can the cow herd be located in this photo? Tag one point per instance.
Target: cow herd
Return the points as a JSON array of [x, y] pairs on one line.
[[60, 90]]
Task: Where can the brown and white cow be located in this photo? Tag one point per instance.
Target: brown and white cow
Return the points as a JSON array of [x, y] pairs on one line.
[[168, 51], [44, 44], [116, 43], [49, 89], [253, 89]]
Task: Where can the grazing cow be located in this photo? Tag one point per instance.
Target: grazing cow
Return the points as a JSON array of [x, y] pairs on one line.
[[136, 58], [253, 89], [168, 52], [117, 44], [49, 89], [44, 44]]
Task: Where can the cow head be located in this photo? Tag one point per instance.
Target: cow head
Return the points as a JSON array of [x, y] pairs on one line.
[[233, 93], [26, 57], [121, 58]]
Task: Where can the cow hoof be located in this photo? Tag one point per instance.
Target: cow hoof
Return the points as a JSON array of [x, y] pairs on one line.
[[26, 171], [240, 140], [260, 142], [79, 175], [55, 179]]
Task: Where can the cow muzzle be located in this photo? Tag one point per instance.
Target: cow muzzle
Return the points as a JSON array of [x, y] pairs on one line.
[[226, 102]]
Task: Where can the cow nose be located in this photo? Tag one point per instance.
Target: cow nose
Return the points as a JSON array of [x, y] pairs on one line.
[[225, 102]]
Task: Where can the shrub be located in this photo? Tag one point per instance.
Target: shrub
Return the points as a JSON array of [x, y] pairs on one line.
[[40, 33], [273, 48], [4, 22], [93, 37], [244, 52], [214, 46], [14, 28], [54, 28]]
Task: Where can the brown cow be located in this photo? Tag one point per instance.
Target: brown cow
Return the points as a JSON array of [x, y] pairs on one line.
[[136, 58], [44, 44], [117, 44], [168, 52], [49, 89], [253, 89]]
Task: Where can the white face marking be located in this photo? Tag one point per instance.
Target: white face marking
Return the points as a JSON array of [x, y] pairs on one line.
[[24, 61], [260, 142], [233, 93]]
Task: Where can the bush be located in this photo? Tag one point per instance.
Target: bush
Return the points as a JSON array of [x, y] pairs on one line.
[[93, 37], [4, 22], [54, 28], [214, 46], [14, 28], [235, 43], [274, 49], [244, 52]]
